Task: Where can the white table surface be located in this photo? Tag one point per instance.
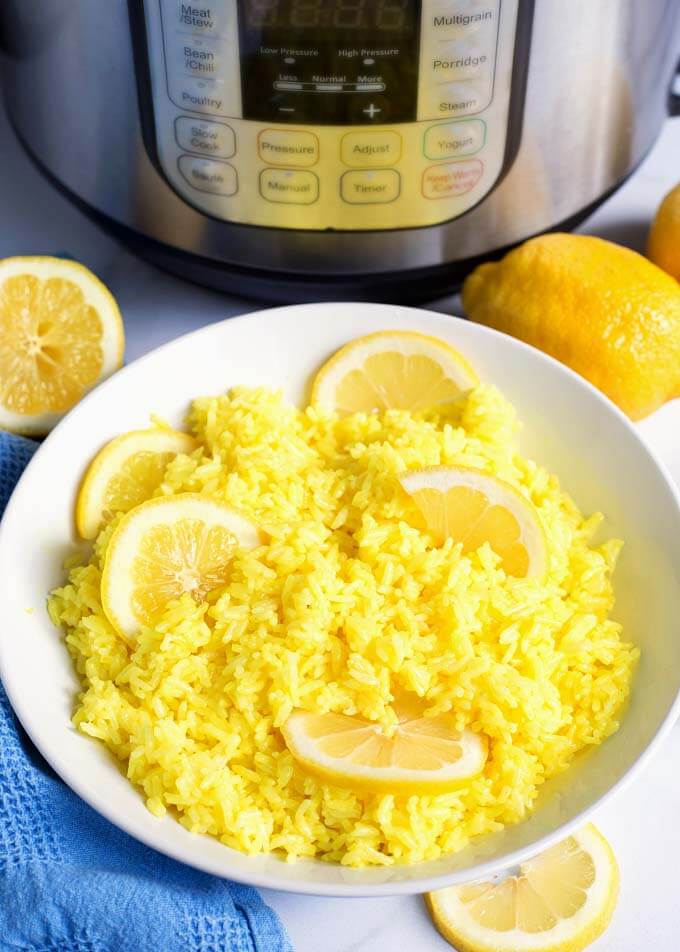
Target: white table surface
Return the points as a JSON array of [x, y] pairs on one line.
[[643, 823]]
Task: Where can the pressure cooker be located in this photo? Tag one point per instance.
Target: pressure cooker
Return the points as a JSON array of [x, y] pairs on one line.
[[329, 149]]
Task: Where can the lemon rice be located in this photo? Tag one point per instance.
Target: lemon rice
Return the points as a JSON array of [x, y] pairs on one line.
[[347, 604]]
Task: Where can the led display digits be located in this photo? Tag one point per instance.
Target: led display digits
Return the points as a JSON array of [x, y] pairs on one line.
[[339, 14]]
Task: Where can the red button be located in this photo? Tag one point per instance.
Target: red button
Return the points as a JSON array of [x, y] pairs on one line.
[[451, 178]]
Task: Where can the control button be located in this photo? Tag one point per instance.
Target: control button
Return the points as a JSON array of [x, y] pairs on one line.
[[206, 17], [197, 56], [206, 175], [469, 17], [452, 139], [289, 187], [198, 95], [208, 138], [365, 108], [285, 107], [454, 178], [288, 147], [458, 99], [364, 149], [370, 187], [459, 61]]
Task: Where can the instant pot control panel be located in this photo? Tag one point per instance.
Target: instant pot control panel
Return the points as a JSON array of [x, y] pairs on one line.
[[333, 114]]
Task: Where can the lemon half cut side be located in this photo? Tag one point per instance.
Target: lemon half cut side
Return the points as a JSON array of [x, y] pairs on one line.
[[60, 334]]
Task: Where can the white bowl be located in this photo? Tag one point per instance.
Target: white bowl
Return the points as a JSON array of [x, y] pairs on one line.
[[569, 426]]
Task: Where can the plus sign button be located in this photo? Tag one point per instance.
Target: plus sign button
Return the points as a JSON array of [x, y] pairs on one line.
[[369, 109]]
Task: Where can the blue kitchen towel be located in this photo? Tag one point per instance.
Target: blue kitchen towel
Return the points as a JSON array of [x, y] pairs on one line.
[[72, 882]]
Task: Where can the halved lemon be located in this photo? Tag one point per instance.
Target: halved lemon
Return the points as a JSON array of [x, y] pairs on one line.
[[420, 755], [559, 901], [166, 547], [60, 333], [400, 370], [473, 507], [125, 473]]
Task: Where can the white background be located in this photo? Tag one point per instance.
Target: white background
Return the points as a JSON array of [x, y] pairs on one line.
[[643, 824]]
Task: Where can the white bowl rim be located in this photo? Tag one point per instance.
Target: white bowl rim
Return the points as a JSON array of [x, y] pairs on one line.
[[96, 799]]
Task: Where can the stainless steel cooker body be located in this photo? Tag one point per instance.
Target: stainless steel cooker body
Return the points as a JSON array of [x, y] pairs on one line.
[[298, 150]]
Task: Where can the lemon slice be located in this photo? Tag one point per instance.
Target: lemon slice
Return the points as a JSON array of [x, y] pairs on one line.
[[166, 547], [400, 370], [124, 474], [473, 507], [421, 755], [560, 901], [60, 333]]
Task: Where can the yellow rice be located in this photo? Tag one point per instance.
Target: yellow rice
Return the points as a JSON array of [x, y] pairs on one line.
[[348, 603]]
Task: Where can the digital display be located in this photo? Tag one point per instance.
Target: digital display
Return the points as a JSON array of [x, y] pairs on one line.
[[329, 62], [338, 14]]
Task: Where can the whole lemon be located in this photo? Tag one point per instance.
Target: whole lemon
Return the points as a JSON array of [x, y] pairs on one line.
[[604, 310], [663, 244]]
